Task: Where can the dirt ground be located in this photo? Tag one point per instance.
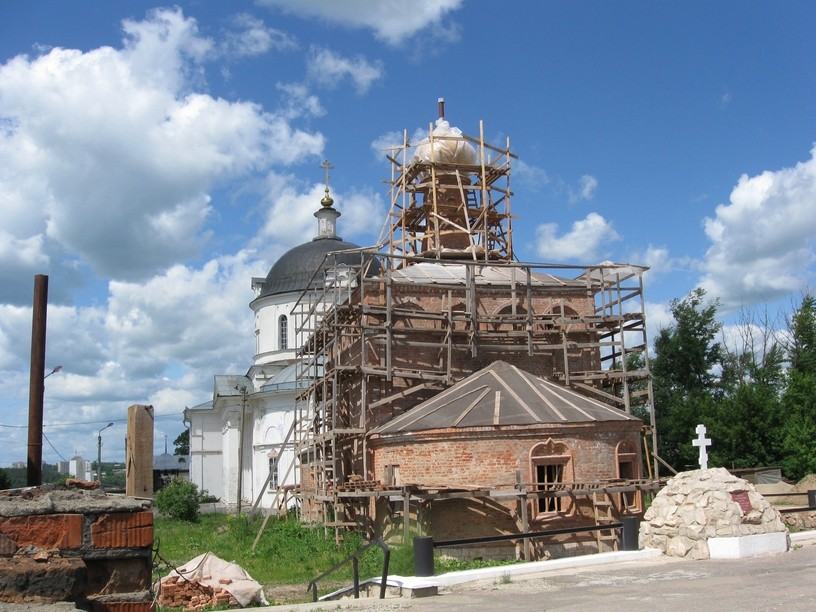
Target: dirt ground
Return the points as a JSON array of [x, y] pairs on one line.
[[281, 594]]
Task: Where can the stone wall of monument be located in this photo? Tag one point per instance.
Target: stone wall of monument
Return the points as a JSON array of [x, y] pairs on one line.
[[701, 504]]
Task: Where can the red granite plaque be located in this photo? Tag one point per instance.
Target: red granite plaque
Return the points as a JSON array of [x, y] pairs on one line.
[[741, 497]]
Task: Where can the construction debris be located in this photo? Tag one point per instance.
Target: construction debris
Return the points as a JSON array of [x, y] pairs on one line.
[[209, 581]]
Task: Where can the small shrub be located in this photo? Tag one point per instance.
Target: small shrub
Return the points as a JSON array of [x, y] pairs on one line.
[[179, 500]]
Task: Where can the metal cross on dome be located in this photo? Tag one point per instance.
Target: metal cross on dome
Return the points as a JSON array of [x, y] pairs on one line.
[[327, 166], [703, 443]]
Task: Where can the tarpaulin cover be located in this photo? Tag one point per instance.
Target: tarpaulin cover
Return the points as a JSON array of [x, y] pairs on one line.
[[210, 570]]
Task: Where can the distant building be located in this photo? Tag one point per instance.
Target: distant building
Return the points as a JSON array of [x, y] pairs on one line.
[[79, 468], [167, 466]]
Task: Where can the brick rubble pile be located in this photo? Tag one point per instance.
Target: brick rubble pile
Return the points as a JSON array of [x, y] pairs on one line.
[[177, 592]]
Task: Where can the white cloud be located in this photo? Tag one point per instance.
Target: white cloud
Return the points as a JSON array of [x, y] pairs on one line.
[[762, 241], [109, 156], [359, 210], [658, 316], [290, 218], [251, 36], [392, 21], [585, 191], [149, 325], [657, 259], [531, 178], [583, 243], [328, 69], [298, 101]]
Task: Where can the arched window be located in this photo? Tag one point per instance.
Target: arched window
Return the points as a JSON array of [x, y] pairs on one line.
[[551, 465], [283, 333], [510, 319]]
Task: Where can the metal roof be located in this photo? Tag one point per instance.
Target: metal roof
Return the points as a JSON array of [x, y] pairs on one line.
[[229, 385], [295, 268], [502, 394]]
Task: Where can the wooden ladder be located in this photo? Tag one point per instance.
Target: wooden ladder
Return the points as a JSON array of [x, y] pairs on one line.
[[607, 539]]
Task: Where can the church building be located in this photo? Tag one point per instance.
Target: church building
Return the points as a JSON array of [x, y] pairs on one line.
[[438, 385], [242, 439]]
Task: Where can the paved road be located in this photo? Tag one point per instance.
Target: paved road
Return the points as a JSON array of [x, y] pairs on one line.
[[777, 582]]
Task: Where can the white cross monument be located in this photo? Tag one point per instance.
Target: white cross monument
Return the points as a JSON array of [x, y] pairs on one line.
[[703, 443]]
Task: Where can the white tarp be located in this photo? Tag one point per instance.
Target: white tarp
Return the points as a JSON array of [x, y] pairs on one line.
[[210, 570], [448, 147]]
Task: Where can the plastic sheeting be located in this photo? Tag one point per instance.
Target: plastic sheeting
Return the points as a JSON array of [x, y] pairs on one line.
[[450, 149], [210, 570]]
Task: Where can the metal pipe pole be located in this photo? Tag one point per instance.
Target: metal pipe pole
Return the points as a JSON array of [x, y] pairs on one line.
[[99, 457], [99, 453], [36, 388]]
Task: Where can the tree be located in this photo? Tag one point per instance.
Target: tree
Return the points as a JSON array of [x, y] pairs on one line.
[[5, 481], [799, 397], [746, 425], [182, 443], [684, 380]]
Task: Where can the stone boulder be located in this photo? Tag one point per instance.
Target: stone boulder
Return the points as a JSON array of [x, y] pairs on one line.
[[701, 504]]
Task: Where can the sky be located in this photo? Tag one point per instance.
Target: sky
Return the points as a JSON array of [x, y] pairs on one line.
[[154, 158]]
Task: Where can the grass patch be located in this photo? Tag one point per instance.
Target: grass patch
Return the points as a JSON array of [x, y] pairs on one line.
[[288, 553]]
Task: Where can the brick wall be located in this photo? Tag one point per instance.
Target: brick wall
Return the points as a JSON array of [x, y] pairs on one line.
[[490, 459], [62, 543]]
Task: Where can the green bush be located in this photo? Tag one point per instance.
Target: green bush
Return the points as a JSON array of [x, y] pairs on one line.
[[179, 500]]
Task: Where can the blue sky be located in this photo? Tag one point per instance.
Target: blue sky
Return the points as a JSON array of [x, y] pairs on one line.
[[153, 158]]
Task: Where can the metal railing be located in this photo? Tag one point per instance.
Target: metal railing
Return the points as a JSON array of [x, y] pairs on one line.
[[527, 534], [354, 559]]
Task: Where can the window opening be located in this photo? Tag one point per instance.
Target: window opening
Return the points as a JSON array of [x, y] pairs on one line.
[[283, 328]]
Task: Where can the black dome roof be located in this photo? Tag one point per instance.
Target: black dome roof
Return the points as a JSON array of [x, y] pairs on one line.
[[296, 267]]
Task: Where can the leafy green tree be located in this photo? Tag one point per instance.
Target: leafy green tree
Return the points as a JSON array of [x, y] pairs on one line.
[[182, 443], [684, 380], [5, 481], [799, 397], [746, 425]]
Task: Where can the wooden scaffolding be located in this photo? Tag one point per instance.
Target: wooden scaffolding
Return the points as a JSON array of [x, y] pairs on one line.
[[441, 298]]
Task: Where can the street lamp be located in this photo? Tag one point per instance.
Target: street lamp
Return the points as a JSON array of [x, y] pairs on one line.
[[99, 453], [54, 371]]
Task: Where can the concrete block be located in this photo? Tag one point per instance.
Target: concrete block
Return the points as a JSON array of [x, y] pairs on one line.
[[739, 547]]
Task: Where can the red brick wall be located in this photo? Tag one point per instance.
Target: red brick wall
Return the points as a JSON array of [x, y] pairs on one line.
[[490, 459], [485, 457], [99, 554]]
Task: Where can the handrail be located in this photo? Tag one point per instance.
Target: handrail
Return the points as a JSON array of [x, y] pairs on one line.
[[527, 534], [353, 557]]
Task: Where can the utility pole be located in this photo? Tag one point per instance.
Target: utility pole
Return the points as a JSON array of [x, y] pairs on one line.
[[243, 390], [36, 388]]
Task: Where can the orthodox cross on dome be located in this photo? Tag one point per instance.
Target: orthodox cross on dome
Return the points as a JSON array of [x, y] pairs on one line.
[[327, 200], [703, 443]]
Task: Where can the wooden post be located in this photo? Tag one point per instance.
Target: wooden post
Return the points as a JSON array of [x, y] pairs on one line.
[[139, 451]]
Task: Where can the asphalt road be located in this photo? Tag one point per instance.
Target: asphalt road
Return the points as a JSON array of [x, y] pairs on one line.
[[785, 581]]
